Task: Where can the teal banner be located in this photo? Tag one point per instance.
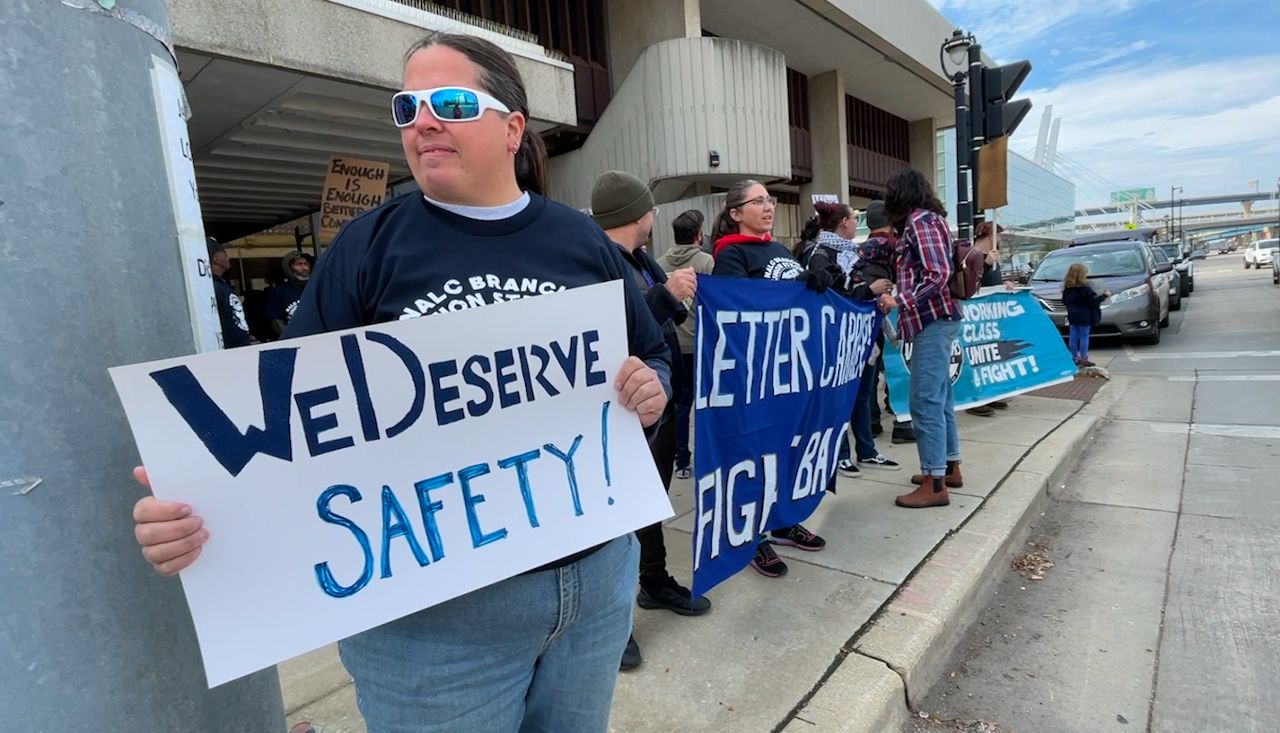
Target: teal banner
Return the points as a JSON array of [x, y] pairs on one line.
[[1007, 346]]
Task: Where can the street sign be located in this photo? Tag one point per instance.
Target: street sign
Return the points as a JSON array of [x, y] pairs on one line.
[[1131, 195]]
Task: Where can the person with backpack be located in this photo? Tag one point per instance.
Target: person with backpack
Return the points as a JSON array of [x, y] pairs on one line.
[[929, 319], [857, 279], [687, 253]]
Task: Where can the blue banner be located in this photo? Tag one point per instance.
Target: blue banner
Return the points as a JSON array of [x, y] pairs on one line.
[[777, 373], [1007, 346]]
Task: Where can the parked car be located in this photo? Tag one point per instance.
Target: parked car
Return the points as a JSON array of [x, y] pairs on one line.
[[1184, 262], [1259, 254], [1139, 304], [1174, 282]]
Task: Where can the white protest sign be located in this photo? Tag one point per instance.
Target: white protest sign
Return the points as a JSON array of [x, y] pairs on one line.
[[351, 478], [172, 113]]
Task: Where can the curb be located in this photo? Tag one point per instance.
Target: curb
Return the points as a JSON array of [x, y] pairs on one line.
[[901, 651]]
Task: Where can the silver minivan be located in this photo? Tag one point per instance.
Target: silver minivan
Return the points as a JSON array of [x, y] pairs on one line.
[[1139, 285]]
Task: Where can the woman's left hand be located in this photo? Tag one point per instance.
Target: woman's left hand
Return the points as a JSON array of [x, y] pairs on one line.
[[640, 390]]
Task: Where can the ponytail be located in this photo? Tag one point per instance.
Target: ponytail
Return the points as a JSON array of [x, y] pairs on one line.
[[811, 228], [531, 163], [733, 198]]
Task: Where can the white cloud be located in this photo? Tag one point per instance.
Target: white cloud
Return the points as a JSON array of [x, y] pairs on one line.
[[1095, 57], [1209, 127], [1006, 26]]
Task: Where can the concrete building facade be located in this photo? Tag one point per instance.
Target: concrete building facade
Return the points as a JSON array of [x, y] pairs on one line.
[[807, 96]]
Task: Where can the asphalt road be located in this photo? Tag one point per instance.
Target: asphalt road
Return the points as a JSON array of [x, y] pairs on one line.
[[1149, 595]]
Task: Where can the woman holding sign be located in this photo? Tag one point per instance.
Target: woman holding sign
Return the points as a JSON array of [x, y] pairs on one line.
[[539, 651], [744, 247]]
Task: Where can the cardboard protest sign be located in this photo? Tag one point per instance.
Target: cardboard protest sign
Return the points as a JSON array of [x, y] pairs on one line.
[[351, 186], [351, 478], [778, 368], [1007, 346]]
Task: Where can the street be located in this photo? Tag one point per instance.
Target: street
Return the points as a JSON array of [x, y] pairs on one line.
[[1145, 598]]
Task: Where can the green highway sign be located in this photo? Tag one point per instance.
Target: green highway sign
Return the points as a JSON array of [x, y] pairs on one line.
[[1131, 195]]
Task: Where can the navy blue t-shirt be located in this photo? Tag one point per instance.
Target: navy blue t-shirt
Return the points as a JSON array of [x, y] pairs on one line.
[[409, 258], [283, 301]]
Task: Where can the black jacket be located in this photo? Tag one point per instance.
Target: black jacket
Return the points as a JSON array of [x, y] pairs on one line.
[[651, 279], [1084, 307]]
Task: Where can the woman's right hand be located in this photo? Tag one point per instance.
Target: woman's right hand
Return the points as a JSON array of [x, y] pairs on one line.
[[171, 536], [881, 286]]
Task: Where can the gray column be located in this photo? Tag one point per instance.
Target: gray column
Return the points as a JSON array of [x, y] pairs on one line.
[[90, 637], [924, 149], [636, 24], [828, 130]]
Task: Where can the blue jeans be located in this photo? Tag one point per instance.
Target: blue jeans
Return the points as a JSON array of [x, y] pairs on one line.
[[933, 405], [1078, 341], [860, 421], [537, 653]]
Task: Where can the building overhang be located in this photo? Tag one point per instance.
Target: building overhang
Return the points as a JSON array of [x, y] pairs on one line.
[[272, 96], [886, 50]]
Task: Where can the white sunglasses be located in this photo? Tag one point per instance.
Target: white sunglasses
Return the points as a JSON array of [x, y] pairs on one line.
[[447, 104]]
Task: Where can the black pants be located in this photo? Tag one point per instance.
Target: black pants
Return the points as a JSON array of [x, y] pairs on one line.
[[653, 550], [684, 406]]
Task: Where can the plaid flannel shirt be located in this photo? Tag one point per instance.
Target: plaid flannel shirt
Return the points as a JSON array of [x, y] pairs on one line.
[[924, 266]]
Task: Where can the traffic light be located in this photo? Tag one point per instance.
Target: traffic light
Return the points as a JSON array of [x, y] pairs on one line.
[[1000, 114]]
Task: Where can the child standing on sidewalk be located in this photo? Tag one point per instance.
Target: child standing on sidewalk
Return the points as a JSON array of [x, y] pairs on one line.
[[1084, 309]]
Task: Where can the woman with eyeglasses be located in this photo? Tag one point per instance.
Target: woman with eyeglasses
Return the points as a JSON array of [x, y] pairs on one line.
[[744, 247], [539, 651]]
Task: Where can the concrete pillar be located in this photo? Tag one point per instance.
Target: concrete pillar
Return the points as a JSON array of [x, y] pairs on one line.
[[637, 24], [828, 130], [923, 141], [92, 639]]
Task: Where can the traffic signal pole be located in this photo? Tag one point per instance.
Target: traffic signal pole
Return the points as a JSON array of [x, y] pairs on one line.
[[977, 126], [964, 161], [92, 276]]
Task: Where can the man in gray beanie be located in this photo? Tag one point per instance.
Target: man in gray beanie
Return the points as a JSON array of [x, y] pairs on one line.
[[623, 206]]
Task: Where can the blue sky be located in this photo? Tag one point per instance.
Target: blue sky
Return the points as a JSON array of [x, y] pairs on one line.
[[1150, 92]]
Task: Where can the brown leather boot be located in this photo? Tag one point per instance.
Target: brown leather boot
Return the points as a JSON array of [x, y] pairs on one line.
[[932, 492], [954, 479]]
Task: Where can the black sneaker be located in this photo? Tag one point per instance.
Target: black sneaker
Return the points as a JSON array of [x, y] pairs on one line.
[[684, 472], [669, 595], [903, 435], [797, 537], [847, 468], [631, 655], [876, 429], [881, 462], [981, 411], [767, 563]]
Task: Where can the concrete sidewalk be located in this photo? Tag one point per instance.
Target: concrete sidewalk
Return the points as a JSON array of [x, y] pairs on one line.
[[836, 643]]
